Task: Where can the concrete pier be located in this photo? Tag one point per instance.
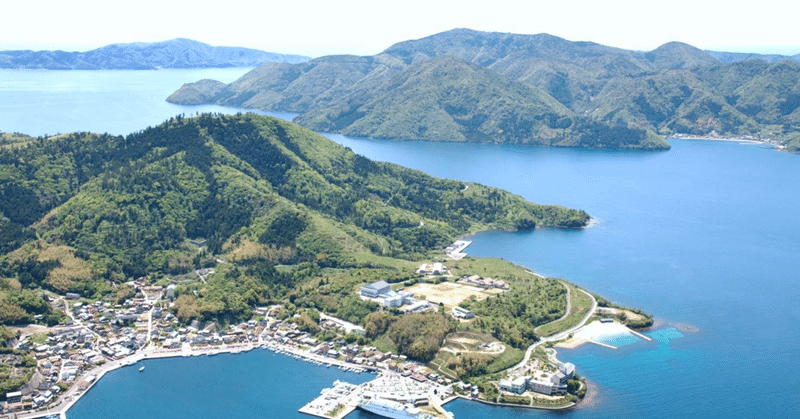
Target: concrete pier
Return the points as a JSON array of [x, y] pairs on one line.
[[605, 345]]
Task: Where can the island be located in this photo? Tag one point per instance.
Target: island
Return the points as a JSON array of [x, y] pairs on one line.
[[227, 233]]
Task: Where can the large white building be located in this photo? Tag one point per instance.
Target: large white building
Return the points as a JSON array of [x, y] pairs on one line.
[[375, 289], [420, 306], [398, 299], [462, 313], [557, 383]]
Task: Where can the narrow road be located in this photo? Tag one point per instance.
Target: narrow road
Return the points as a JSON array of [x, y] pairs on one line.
[[78, 322], [561, 335], [566, 312], [150, 318]]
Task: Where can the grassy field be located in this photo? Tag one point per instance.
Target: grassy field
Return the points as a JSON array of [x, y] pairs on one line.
[[487, 267], [581, 304], [38, 338]]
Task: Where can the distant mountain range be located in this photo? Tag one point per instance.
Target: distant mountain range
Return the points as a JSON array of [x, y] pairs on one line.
[[176, 53], [465, 85]]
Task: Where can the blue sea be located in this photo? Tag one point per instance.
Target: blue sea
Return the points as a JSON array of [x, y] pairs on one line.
[[257, 384], [705, 236]]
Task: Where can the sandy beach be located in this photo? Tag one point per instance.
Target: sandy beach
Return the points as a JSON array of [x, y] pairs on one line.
[[596, 332]]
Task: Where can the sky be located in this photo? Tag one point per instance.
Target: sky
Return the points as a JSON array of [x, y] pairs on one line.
[[315, 28]]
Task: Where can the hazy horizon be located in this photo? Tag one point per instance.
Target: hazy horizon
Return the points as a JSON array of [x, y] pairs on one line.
[[360, 27], [767, 50]]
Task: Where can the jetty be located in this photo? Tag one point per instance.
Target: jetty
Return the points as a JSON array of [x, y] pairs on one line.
[[456, 250], [336, 402]]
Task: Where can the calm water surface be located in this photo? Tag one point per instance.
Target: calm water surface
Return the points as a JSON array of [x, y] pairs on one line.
[[258, 384], [705, 236], [46, 102]]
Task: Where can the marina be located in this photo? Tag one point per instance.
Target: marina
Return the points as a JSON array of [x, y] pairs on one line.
[[389, 395]]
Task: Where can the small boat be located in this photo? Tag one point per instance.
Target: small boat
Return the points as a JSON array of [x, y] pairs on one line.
[[141, 368]]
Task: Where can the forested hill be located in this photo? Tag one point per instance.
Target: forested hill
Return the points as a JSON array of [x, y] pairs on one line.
[[176, 53], [600, 91], [82, 211]]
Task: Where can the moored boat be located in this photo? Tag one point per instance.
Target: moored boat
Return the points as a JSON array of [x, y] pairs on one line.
[[392, 409]]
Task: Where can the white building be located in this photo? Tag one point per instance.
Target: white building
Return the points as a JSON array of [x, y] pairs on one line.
[[419, 307], [375, 289], [171, 291], [399, 299], [462, 313]]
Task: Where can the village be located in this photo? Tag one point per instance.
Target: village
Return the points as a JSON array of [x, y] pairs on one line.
[[100, 337]]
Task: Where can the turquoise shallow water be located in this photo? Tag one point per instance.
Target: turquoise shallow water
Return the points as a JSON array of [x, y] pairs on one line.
[[705, 236]]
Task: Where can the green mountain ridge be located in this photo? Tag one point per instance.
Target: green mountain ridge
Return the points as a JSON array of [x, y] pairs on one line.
[[89, 211], [674, 89]]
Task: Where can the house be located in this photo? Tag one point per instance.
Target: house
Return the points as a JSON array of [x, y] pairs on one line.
[[198, 242], [375, 289], [435, 269], [171, 291]]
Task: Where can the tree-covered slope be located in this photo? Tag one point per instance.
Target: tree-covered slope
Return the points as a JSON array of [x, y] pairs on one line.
[[440, 98], [299, 87], [447, 99], [89, 210], [675, 88], [465, 85]]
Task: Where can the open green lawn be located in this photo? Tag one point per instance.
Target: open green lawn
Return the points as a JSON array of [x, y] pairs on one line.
[[486, 267]]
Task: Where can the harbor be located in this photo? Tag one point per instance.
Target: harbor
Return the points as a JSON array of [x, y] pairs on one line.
[[388, 395]]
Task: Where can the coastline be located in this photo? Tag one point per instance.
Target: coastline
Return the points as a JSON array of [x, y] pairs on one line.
[[571, 405], [735, 139], [71, 396], [89, 378]]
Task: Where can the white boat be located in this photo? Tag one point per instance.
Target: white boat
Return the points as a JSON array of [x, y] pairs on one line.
[[141, 368], [391, 409]]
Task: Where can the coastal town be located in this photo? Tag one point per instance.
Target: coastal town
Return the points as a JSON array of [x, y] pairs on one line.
[[100, 337]]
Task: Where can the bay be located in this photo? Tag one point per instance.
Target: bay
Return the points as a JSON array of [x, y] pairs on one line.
[[705, 236], [49, 102], [257, 384]]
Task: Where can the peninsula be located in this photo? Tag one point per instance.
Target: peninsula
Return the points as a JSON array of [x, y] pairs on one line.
[[466, 85], [175, 53], [225, 233]]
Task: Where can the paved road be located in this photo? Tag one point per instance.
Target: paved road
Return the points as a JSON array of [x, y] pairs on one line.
[[561, 335], [566, 312]]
